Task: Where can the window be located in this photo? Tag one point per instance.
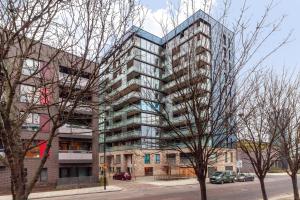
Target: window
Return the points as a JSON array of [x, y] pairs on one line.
[[32, 122], [30, 67], [44, 175], [147, 159], [231, 157], [29, 94], [118, 159], [101, 159], [157, 158], [226, 159], [118, 169], [33, 153]]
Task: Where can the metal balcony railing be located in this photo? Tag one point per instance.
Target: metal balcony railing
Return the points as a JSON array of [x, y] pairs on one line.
[[125, 122], [77, 129], [75, 155]]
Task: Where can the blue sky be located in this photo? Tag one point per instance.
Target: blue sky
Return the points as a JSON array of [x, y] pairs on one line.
[[288, 56]]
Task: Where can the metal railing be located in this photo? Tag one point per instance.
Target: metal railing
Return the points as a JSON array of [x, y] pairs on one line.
[[81, 180], [75, 155], [121, 136]]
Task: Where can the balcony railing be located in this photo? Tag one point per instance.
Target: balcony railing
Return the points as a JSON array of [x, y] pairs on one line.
[[81, 106], [75, 155], [67, 79], [77, 129], [81, 180], [122, 148], [125, 110], [121, 136], [125, 122], [126, 97], [129, 83]]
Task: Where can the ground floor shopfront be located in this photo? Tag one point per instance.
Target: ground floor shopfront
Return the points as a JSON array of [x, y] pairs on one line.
[[156, 162]]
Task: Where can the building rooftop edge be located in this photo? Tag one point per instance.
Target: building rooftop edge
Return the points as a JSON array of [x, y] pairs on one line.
[[200, 14]]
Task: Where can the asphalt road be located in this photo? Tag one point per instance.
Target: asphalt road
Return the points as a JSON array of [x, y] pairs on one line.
[[276, 185]]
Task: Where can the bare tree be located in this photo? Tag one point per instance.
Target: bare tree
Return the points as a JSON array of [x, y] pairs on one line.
[[204, 73], [289, 125], [80, 32], [262, 122]]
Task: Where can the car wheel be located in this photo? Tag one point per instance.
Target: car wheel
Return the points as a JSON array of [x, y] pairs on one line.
[[233, 181]]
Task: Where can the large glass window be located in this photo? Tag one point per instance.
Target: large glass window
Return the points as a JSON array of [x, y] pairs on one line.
[[157, 158], [29, 94], [147, 159], [32, 122], [147, 57], [149, 46], [149, 119], [30, 66], [150, 82], [149, 106]]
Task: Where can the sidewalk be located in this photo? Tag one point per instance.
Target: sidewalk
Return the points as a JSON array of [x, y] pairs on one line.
[[71, 192], [191, 181], [288, 196]]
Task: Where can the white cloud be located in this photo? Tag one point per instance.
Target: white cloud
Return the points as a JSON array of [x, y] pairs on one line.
[[176, 10]]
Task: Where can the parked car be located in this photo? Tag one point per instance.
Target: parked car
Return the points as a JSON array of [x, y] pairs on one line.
[[122, 176], [242, 177], [222, 177]]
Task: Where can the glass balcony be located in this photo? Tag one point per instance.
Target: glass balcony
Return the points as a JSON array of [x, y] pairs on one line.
[[124, 110], [129, 83], [75, 129], [126, 97], [67, 80], [123, 136], [122, 148], [81, 106], [125, 122]]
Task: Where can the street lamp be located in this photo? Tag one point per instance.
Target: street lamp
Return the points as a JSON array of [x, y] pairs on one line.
[[104, 152]]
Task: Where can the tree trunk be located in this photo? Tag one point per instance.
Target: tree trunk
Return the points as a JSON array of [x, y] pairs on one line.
[[18, 180], [295, 186], [203, 193], [263, 188]]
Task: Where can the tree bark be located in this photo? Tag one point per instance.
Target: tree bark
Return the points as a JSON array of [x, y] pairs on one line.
[[202, 182], [295, 186], [18, 179], [263, 188]]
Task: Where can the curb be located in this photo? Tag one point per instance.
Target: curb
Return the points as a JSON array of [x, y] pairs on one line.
[[65, 195]]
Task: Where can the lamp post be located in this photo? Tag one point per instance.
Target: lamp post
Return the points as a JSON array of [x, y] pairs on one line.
[[104, 152]]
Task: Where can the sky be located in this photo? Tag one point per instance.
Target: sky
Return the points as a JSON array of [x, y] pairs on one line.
[[287, 58]]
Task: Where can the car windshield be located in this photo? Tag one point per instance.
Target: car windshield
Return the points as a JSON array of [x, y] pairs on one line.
[[217, 173], [242, 174]]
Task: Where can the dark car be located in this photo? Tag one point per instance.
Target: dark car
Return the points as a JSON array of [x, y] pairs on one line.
[[222, 177], [243, 177], [122, 176]]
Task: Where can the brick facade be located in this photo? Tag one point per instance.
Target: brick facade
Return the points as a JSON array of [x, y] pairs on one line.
[[137, 165]]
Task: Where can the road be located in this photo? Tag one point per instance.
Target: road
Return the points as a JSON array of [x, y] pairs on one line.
[[276, 185]]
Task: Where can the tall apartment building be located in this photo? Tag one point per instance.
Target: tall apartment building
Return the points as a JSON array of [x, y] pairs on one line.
[[140, 81], [74, 154]]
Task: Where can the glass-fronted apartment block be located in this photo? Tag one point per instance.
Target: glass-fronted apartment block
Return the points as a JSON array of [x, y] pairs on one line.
[[139, 82]]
